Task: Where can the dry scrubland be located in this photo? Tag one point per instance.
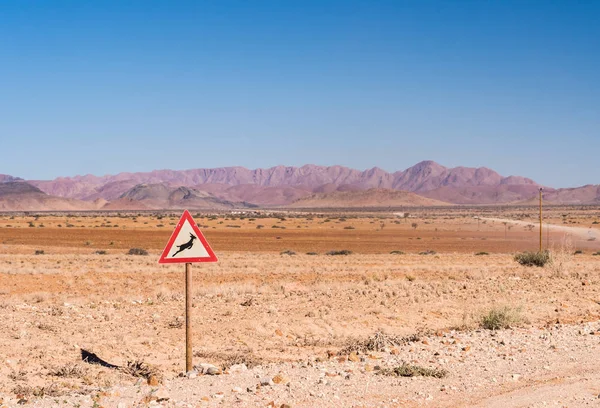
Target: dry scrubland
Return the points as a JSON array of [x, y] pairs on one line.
[[315, 330]]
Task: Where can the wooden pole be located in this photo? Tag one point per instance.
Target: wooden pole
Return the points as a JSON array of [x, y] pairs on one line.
[[188, 317], [540, 220]]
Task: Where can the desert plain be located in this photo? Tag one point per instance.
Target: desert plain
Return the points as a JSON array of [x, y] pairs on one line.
[[401, 313]]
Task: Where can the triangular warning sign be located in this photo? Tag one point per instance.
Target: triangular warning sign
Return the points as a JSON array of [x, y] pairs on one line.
[[187, 244]]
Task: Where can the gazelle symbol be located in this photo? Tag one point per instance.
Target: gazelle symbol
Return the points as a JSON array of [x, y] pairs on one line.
[[185, 246]]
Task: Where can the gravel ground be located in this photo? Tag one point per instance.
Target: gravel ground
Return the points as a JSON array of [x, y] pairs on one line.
[[522, 367]]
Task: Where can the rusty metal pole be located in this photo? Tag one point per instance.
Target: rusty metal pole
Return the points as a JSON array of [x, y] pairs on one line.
[[188, 317], [540, 219]]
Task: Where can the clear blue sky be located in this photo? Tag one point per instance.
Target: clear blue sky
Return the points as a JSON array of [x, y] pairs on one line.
[[108, 86]]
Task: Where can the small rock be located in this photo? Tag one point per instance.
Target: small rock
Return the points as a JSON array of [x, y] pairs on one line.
[[237, 390], [191, 374], [213, 371], [281, 379], [207, 369], [153, 381], [266, 381], [238, 367], [353, 357], [162, 395], [516, 377]]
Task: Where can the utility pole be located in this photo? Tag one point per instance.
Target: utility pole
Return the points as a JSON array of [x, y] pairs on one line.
[[541, 219]]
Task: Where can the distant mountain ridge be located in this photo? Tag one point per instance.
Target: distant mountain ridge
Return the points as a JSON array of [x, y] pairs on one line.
[[424, 176], [281, 186], [5, 178]]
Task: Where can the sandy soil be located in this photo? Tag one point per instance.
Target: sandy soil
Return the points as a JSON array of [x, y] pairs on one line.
[[298, 324]]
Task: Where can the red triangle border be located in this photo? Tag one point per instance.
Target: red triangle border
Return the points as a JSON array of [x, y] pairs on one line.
[[211, 255]]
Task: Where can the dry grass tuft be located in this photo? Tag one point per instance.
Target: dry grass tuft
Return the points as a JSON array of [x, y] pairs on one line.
[[377, 342], [502, 318], [138, 368], [226, 360], [71, 370], [407, 370]]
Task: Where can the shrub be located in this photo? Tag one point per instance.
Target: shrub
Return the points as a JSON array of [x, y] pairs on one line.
[[342, 252], [349, 227], [100, 252], [596, 253], [288, 252], [501, 318], [428, 252], [39, 252], [533, 258], [137, 251], [481, 253], [578, 252], [312, 253], [397, 253]]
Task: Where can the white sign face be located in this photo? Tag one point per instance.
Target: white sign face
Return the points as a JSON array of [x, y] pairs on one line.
[[187, 244]]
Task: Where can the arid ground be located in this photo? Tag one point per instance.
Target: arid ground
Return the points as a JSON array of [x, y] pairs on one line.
[[402, 320]]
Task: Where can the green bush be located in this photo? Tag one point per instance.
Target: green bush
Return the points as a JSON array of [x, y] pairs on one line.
[[533, 258]]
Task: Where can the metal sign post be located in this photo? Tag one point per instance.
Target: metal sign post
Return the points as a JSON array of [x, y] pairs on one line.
[[182, 248], [188, 317]]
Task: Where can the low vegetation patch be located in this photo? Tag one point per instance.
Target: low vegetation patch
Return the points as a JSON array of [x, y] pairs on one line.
[[533, 258], [71, 370], [342, 252], [288, 252], [39, 252], [408, 370], [137, 251], [138, 368], [377, 342], [312, 253], [501, 318], [428, 252], [397, 253], [596, 253], [226, 360], [481, 253]]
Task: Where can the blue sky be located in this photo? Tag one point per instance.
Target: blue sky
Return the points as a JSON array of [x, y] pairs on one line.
[[108, 86]]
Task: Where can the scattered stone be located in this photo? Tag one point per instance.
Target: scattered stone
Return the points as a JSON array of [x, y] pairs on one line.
[[162, 395], [207, 369], [191, 374], [237, 390], [238, 367], [353, 357], [281, 379], [153, 381], [516, 377], [266, 381]]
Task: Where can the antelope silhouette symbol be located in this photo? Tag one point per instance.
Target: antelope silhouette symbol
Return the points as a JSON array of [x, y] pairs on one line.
[[185, 246]]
